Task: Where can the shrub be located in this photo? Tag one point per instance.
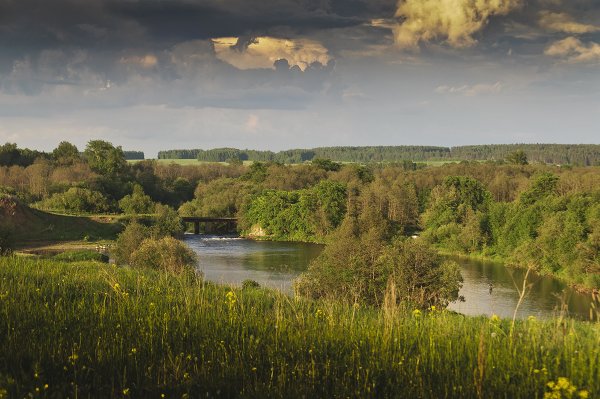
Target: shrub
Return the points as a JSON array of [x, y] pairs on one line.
[[129, 240], [167, 254], [76, 200], [363, 270], [137, 202], [167, 222], [81, 256]]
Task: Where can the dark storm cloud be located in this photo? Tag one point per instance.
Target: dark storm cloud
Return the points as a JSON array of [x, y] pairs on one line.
[[35, 24]]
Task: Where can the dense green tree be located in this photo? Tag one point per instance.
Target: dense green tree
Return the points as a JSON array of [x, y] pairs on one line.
[[304, 215], [11, 155], [518, 158], [65, 153], [542, 186], [457, 214], [451, 201], [104, 158], [326, 164], [167, 221], [137, 202]]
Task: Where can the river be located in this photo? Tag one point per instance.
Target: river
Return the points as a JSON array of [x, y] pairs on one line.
[[231, 260]]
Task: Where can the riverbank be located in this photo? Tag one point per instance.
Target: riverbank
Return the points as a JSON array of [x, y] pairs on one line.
[[577, 286], [91, 329], [581, 288]]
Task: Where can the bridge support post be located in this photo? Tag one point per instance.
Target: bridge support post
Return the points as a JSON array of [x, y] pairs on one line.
[[196, 228]]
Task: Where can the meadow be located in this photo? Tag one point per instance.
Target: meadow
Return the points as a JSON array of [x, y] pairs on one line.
[[89, 329]]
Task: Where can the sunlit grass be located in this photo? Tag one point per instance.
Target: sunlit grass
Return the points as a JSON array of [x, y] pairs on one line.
[[91, 329]]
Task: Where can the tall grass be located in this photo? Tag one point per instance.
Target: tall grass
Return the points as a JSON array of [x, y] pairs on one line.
[[94, 330]]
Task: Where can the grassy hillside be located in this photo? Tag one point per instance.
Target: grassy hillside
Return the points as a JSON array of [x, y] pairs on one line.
[[31, 225], [94, 330]]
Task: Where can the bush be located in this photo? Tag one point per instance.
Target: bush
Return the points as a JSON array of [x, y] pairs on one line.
[[76, 200], [363, 270], [167, 254], [136, 203], [129, 240], [81, 256], [167, 222]]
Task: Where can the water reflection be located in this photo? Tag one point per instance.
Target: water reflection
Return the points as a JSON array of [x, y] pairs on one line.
[[546, 297], [232, 260]]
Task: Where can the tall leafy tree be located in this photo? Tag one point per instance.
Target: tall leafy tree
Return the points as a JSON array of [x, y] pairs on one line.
[[65, 153], [104, 158]]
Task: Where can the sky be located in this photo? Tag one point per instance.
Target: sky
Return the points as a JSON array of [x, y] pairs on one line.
[[151, 75]]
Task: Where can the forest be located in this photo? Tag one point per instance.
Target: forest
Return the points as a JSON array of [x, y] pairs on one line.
[[560, 154], [546, 217]]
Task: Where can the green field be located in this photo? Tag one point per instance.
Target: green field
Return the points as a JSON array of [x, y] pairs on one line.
[[170, 161], [94, 330], [184, 161]]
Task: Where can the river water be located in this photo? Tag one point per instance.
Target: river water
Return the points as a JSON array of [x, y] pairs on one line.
[[231, 260]]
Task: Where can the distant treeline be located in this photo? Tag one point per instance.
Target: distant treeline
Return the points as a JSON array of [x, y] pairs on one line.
[[11, 155], [574, 154], [131, 155]]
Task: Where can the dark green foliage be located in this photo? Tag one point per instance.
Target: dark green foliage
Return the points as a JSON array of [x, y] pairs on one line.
[[11, 155], [81, 256], [341, 154], [137, 202], [518, 158], [65, 153], [457, 214], [220, 198], [104, 158], [257, 172], [552, 233], [327, 164], [541, 187], [303, 215], [167, 221], [578, 154], [76, 200]]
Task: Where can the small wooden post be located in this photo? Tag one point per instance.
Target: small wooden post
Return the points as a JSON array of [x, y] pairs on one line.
[[196, 227]]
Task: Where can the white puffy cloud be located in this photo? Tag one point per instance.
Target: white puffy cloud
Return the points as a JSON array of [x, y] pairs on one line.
[[262, 52], [456, 21], [574, 51], [562, 22]]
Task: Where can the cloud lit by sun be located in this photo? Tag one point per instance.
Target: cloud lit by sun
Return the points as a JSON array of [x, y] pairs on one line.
[[262, 52]]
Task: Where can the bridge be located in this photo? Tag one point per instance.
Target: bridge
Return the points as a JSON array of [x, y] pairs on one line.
[[231, 222]]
